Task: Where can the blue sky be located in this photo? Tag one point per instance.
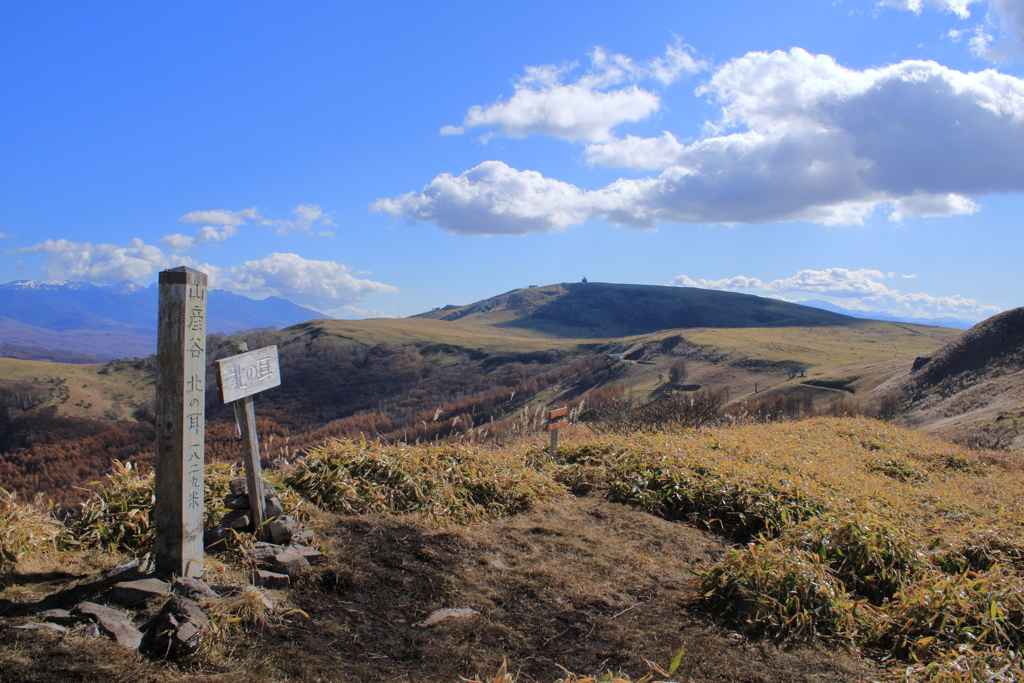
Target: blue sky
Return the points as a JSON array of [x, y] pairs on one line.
[[383, 160]]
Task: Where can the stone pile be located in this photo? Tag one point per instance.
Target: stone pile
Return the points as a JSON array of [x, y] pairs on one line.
[[281, 564], [279, 529], [176, 630]]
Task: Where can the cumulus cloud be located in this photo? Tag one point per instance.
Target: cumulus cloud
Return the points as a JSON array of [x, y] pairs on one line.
[[323, 285], [492, 199], [5, 236], [221, 217], [799, 137], [860, 289], [179, 243], [307, 218], [98, 263], [585, 109]]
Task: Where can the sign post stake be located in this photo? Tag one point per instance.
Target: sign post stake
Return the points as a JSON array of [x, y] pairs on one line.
[[556, 419], [245, 414], [240, 376], [180, 422]]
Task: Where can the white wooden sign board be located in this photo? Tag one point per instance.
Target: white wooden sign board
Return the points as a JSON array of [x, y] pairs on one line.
[[249, 373]]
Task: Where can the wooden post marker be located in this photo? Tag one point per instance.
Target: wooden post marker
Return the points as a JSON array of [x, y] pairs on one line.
[[557, 419], [241, 376], [180, 422]]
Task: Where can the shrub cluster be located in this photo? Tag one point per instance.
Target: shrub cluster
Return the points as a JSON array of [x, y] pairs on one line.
[[853, 530]]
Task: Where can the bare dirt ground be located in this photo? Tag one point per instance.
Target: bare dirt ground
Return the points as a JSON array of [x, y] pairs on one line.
[[582, 584]]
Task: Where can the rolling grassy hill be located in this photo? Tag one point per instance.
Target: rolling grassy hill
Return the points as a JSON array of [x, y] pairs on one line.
[[604, 310]]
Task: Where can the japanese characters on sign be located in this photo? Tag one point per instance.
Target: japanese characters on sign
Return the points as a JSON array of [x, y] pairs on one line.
[[181, 422], [195, 394], [248, 373]]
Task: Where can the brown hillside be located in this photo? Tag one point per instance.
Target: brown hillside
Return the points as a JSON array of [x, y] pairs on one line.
[[972, 389]]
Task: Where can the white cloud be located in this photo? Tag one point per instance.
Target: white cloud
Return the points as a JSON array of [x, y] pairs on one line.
[[799, 138], [1003, 18], [586, 109], [179, 243], [678, 60], [860, 289], [99, 263], [306, 217], [5, 236], [957, 7], [221, 217], [492, 199], [322, 285]]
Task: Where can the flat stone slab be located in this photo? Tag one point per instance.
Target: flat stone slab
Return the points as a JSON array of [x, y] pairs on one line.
[[95, 612], [121, 630], [193, 589], [272, 580], [136, 592], [439, 615], [263, 552], [290, 563], [312, 555]]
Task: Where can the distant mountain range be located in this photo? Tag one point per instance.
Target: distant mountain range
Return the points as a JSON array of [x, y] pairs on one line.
[[115, 321], [955, 323]]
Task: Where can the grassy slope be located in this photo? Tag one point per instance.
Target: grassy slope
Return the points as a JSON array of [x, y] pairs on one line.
[[859, 532], [83, 390]]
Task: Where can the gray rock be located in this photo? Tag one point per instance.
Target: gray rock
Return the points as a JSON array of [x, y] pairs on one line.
[[263, 552], [498, 564], [237, 503], [238, 487], [312, 555], [272, 507], [272, 580], [94, 612], [122, 631], [193, 589], [136, 592], [290, 563], [41, 627], [303, 536], [91, 632], [238, 520], [282, 529], [177, 630]]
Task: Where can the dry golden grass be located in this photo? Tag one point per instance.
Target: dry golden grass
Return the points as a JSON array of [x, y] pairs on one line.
[[848, 531]]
